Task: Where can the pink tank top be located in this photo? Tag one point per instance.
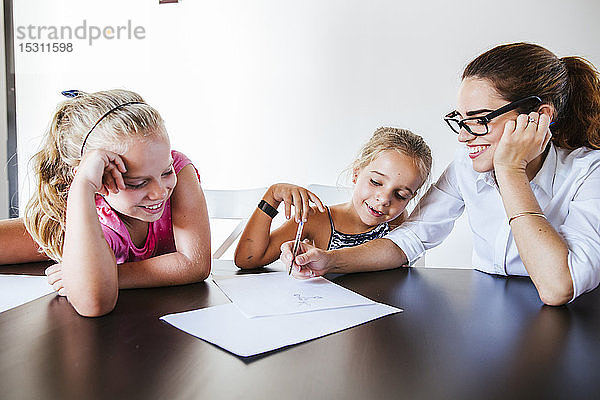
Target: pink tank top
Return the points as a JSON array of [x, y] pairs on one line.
[[160, 238]]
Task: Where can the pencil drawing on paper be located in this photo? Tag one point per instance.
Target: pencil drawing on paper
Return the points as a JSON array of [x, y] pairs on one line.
[[305, 301]]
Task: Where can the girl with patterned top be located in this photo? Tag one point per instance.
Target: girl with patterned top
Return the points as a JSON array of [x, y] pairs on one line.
[[390, 169], [115, 207]]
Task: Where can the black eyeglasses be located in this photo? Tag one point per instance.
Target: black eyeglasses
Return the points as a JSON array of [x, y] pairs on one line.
[[478, 126]]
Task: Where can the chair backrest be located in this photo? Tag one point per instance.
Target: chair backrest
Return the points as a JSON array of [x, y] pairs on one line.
[[331, 195], [232, 204]]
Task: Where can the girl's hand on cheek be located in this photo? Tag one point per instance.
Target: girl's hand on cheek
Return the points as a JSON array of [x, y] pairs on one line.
[[522, 141], [102, 170]]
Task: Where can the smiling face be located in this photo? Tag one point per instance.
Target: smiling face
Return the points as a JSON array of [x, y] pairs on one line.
[[477, 97], [149, 181], [384, 187]]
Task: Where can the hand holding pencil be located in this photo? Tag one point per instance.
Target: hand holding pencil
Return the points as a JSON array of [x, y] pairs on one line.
[[310, 260], [296, 244]]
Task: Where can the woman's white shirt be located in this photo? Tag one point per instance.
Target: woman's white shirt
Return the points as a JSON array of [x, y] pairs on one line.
[[567, 188]]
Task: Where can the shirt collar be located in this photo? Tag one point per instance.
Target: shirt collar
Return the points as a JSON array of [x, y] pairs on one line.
[[485, 179], [544, 179]]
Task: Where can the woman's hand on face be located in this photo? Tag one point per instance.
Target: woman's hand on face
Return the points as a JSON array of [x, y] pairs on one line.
[[522, 141], [309, 262], [297, 196], [102, 170]]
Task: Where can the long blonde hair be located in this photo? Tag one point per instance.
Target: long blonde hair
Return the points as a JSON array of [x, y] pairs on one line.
[[53, 166]]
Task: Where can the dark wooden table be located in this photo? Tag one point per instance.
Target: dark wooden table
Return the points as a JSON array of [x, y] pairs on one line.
[[463, 335]]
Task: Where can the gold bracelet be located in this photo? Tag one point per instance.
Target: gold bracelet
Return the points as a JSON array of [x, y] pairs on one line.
[[522, 214]]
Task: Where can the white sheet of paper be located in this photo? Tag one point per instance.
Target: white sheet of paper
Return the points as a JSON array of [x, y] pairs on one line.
[[277, 293], [20, 289], [226, 327]]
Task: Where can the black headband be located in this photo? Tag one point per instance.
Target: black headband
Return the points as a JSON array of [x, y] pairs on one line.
[[74, 93], [102, 117]]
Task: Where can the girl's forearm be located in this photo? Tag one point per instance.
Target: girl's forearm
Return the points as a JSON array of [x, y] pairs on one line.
[[254, 242], [17, 244], [165, 270], [88, 264], [543, 251]]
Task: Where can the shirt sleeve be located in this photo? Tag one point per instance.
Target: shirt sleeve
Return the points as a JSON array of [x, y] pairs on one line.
[[117, 244], [581, 231], [180, 160], [432, 219]]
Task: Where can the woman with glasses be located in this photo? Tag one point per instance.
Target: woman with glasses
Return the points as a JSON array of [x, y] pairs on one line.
[[528, 178]]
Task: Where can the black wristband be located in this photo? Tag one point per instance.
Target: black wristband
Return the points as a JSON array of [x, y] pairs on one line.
[[267, 209]]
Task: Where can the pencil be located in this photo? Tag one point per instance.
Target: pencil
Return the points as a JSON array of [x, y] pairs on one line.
[[296, 244]]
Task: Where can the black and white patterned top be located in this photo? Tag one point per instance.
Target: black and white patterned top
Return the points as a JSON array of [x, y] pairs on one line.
[[338, 239]]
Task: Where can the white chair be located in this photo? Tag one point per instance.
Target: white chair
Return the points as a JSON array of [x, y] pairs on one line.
[[331, 195], [232, 204]]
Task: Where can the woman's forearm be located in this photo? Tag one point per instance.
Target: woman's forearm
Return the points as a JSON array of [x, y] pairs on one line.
[[543, 251], [379, 254]]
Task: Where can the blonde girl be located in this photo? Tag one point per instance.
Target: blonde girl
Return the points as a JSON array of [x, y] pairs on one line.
[[115, 207], [389, 170]]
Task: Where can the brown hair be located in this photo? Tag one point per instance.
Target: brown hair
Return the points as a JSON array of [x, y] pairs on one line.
[[571, 85], [400, 140], [53, 165]]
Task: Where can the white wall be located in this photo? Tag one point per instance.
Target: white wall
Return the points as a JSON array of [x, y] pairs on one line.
[[277, 90]]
